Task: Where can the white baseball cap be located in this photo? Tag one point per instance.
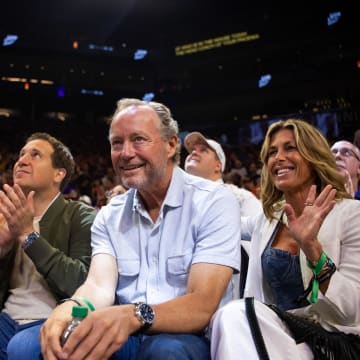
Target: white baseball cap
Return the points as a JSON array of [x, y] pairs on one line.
[[198, 138]]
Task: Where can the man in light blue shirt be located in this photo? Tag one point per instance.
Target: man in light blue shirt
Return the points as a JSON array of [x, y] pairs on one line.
[[190, 229], [167, 251]]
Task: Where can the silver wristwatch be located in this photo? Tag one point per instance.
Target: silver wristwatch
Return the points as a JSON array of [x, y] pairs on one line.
[[145, 314]]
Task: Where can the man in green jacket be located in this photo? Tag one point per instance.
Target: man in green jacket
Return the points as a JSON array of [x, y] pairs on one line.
[[45, 246]]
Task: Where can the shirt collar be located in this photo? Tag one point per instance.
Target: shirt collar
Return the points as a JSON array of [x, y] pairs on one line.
[[174, 195]]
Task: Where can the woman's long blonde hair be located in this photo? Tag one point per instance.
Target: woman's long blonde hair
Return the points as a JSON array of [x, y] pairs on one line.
[[314, 148]]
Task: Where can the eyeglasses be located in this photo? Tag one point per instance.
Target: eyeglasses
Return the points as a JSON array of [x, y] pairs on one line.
[[345, 152]]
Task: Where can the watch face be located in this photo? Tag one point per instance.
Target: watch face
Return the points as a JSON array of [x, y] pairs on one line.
[[330, 264], [147, 313]]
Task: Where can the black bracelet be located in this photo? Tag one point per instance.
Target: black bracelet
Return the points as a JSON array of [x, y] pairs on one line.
[[330, 268], [77, 302], [326, 275]]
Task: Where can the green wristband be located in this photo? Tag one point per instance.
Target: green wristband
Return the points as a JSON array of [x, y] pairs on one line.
[[316, 269], [319, 265]]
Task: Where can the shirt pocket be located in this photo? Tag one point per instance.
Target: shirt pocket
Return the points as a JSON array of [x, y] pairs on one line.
[[178, 268], [128, 271]]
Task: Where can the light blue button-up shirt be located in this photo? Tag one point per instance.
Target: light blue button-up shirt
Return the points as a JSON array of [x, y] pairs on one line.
[[199, 222]]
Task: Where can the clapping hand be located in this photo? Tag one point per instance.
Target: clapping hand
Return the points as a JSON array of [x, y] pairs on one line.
[[17, 210], [304, 228]]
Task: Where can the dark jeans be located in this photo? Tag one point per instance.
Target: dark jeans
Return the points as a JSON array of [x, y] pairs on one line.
[[24, 343], [164, 347], [18, 339]]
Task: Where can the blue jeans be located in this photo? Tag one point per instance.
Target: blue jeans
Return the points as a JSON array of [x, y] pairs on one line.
[[25, 345], [18, 341], [164, 347]]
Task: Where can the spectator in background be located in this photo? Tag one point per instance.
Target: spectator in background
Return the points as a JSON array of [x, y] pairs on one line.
[[82, 177], [249, 185], [238, 167], [166, 250], [85, 199], [232, 178], [116, 190], [44, 240], [347, 157], [207, 159], [7, 159], [254, 172], [98, 193], [71, 192]]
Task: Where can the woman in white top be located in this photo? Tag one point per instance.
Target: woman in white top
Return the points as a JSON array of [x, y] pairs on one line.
[[304, 252]]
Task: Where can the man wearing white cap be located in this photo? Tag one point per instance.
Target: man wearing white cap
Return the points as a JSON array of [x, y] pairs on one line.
[[207, 159]]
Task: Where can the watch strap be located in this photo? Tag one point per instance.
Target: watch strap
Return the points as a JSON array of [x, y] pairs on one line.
[[30, 239]]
